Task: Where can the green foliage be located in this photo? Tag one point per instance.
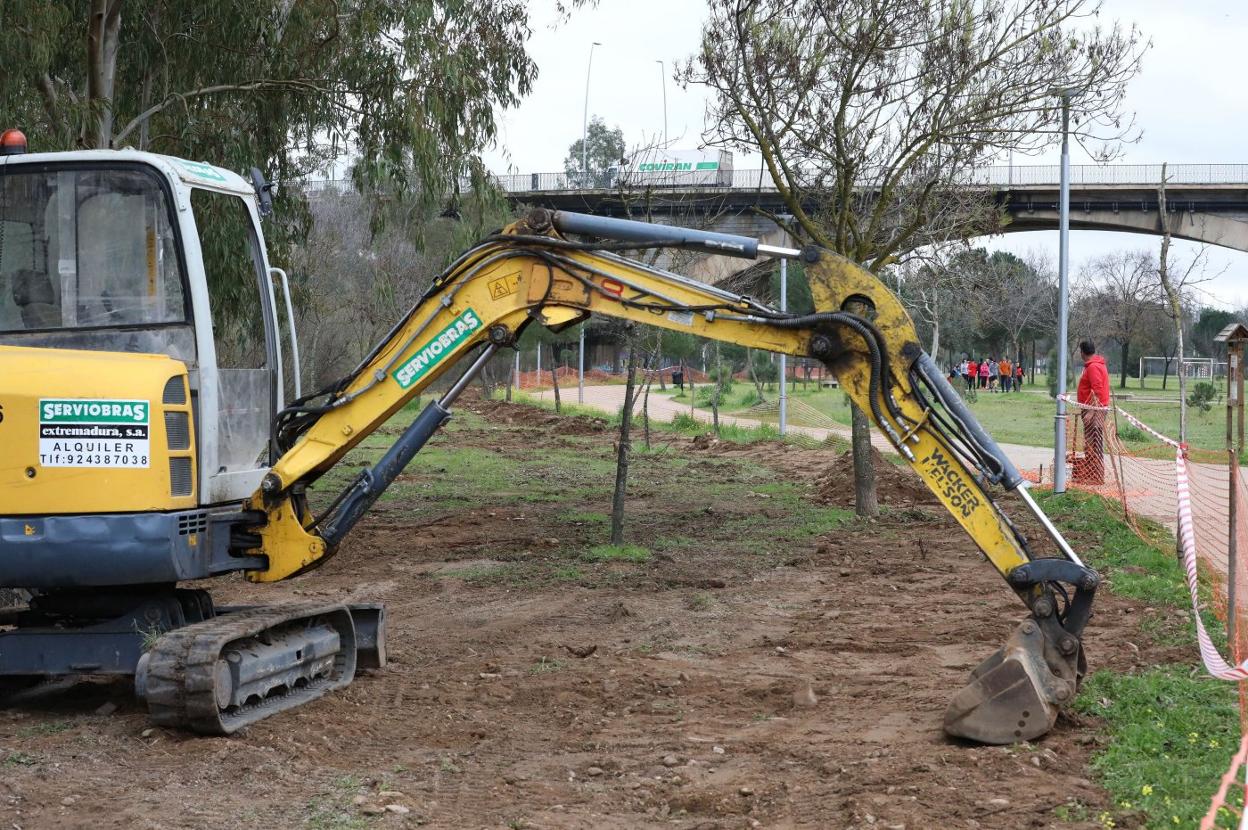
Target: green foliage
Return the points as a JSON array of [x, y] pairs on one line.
[[798, 296], [1202, 396], [601, 149], [1207, 327], [1051, 374], [413, 88], [683, 422]]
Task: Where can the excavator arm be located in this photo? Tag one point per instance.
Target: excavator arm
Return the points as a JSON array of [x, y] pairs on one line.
[[539, 270]]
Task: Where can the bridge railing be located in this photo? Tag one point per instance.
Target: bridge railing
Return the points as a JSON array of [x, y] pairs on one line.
[[1005, 176]]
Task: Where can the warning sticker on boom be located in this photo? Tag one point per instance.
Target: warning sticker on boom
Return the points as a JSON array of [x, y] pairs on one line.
[[80, 432]]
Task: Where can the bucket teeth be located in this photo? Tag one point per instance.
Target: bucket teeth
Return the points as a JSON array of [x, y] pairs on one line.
[[1014, 695]]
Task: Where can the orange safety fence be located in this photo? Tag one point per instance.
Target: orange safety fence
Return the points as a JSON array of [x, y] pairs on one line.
[[1152, 476]]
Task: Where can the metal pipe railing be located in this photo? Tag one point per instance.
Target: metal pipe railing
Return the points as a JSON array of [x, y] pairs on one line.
[[1032, 175]]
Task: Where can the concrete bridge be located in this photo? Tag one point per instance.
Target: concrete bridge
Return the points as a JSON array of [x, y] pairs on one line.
[[1206, 202]]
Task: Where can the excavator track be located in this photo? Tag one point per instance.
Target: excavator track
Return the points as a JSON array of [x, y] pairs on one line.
[[220, 675]]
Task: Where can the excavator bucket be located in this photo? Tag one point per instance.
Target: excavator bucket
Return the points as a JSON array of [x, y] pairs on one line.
[[1015, 694]]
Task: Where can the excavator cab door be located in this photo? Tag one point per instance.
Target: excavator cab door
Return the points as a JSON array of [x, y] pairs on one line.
[[241, 386]]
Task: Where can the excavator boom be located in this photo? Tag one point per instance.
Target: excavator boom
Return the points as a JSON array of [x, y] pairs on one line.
[[542, 269]]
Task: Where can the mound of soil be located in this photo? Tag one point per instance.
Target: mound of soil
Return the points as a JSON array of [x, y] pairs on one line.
[[518, 414], [895, 485]]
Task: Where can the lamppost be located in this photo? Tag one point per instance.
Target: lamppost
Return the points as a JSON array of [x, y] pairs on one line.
[[784, 361], [580, 356], [1063, 298], [663, 76], [585, 116]]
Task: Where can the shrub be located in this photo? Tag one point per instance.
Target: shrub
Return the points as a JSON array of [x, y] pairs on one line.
[[1202, 396]]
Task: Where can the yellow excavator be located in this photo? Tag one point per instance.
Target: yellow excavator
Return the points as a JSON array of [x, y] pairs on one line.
[[145, 439]]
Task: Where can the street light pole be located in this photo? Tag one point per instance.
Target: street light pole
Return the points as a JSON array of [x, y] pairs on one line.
[[784, 360], [580, 357], [1063, 297], [585, 116], [663, 76]]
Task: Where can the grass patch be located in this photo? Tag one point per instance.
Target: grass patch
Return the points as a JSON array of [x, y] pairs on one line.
[[1172, 729], [568, 573], [1173, 735], [545, 665], [49, 728], [1147, 571], [19, 759], [616, 553]]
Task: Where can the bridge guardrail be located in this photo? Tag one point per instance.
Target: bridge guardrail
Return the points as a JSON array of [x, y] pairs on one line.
[[1147, 175]]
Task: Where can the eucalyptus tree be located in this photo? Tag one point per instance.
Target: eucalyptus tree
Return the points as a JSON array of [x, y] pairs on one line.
[[411, 89]]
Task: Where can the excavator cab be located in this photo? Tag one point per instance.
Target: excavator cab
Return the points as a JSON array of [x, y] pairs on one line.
[[134, 254], [141, 367]]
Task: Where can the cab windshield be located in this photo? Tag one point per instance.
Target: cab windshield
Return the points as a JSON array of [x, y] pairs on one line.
[[88, 259]]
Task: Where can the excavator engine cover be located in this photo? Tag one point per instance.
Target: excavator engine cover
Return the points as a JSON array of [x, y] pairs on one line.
[[1015, 694]]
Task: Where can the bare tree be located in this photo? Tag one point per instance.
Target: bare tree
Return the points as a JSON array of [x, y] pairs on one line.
[[1174, 283], [1123, 290], [624, 447], [872, 115], [1023, 295]]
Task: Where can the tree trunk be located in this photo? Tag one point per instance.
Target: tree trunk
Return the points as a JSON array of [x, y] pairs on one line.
[[658, 360], [645, 405], [623, 450], [1175, 301], [554, 379], [719, 385], [1126, 354], [866, 503], [103, 33], [935, 331], [555, 354], [758, 387]]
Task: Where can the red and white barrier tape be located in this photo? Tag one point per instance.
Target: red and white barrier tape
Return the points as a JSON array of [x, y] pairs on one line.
[[1213, 661], [1215, 664]]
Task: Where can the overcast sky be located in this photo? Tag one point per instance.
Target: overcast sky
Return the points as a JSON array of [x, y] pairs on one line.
[[1191, 101]]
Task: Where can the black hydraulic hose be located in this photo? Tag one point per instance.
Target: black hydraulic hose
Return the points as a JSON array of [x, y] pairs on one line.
[[878, 358], [874, 339], [953, 403]]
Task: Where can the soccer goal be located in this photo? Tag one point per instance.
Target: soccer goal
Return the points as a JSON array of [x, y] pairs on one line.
[[1194, 368]]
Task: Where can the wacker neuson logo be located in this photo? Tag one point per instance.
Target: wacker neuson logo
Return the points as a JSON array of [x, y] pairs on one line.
[[431, 354], [77, 432]]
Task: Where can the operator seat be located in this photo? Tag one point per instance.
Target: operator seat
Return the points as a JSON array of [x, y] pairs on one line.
[[33, 294]]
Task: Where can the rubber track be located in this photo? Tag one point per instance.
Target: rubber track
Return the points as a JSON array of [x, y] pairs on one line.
[[182, 666]]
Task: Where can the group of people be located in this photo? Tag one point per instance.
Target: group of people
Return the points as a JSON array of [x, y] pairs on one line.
[[991, 374]]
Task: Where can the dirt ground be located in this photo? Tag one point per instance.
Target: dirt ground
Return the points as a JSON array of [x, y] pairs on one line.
[[721, 688]]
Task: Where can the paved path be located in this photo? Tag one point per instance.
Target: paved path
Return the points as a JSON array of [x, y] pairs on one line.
[[611, 397]]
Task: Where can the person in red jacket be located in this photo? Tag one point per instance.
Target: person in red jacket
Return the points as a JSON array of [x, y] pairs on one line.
[[1093, 391]]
